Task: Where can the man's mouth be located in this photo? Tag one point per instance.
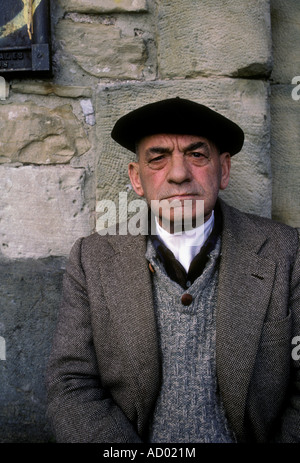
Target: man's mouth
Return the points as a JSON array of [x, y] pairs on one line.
[[181, 197]]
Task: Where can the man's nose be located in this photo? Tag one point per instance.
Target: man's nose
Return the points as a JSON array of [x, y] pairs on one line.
[[179, 170]]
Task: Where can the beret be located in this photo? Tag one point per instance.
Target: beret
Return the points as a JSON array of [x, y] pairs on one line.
[[178, 116]]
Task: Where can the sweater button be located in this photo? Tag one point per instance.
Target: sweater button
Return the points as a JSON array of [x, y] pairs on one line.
[[186, 299], [151, 268]]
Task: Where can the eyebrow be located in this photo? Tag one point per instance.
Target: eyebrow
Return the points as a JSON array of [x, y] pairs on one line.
[[196, 145], [166, 150], [157, 150]]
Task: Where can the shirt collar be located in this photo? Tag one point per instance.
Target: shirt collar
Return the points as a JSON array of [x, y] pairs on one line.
[[174, 268], [187, 244]]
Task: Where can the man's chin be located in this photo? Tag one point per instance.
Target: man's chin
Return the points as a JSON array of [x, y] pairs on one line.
[[177, 216]]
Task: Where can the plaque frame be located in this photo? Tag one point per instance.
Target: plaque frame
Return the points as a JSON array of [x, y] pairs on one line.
[[25, 42]]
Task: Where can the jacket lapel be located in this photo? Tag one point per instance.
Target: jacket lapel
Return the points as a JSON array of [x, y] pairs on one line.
[[132, 313], [245, 285]]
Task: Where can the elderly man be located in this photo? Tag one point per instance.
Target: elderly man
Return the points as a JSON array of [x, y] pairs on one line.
[[180, 337]]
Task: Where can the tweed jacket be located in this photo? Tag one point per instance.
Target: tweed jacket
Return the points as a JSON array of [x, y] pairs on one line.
[[103, 376]]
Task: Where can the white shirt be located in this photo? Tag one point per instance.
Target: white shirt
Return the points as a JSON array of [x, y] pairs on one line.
[[186, 245]]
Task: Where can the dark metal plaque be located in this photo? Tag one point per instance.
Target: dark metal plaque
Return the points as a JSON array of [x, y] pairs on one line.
[[24, 36]]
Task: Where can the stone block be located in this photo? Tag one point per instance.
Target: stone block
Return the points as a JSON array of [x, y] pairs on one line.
[[244, 101], [42, 210], [229, 38], [30, 293], [285, 16], [39, 135], [101, 50], [285, 142], [104, 6]]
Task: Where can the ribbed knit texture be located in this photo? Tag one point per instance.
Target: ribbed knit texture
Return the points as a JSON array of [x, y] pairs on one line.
[[188, 408]]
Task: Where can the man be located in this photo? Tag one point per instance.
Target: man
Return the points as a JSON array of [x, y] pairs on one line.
[[180, 337]]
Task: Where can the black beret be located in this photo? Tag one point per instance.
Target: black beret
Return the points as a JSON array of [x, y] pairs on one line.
[[178, 116]]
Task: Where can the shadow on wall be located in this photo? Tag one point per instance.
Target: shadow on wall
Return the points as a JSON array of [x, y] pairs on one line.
[[29, 293]]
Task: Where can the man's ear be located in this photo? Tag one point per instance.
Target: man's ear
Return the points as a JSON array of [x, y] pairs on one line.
[[134, 175], [225, 159]]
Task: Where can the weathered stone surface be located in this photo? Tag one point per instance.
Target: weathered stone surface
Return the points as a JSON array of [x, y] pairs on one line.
[[232, 37], [39, 135], [48, 88], [285, 111], [286, 40], [88, 111], [4, 89], [101, 50], [42, 210], [245, 101], [104, 6], [285, 142], [30, 292]]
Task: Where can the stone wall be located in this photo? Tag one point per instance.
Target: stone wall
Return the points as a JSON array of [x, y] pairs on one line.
[[285, 112], [57, 160]]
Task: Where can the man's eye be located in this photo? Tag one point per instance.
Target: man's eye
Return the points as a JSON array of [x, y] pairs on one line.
[[197, 158], [157, 161], [157, 158], [197, 155]]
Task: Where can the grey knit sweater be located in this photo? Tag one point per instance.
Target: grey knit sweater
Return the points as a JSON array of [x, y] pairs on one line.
[[188, 408]]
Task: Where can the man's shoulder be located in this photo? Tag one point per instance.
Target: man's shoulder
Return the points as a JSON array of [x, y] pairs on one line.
[[267, 223], [249, 224], [101, 245]]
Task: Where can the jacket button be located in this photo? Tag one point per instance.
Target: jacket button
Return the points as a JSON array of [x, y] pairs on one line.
[[186, 299]]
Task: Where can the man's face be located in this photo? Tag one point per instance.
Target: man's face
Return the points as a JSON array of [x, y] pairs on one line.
[[179, 167]]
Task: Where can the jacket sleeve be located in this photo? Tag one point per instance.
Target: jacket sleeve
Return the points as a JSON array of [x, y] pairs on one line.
[[79, 409]]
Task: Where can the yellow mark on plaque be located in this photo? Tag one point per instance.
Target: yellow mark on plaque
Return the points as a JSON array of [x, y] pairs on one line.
[[27, 10], [24, 18]]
